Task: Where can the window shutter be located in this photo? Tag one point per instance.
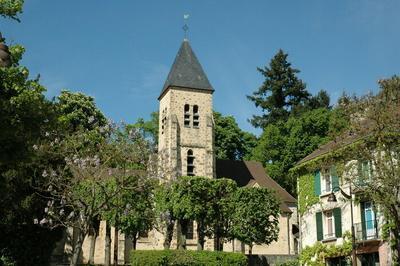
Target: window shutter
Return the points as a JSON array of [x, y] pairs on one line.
[[320, 231], [337, 214], [317, 183], [363, 224], [360, 180], [335, 178]]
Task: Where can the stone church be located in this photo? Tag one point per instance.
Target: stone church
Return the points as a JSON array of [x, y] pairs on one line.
[[186, 148]]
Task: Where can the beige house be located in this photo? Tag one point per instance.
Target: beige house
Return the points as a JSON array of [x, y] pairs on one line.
[[186, 148], [329, 206]]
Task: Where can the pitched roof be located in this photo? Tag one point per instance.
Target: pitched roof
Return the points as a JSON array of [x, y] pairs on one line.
[[186, 71], [339, 142], [248, 173]]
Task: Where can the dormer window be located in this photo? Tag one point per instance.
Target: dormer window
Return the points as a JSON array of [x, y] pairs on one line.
[[190, 163], [186, 116], [195, 116]]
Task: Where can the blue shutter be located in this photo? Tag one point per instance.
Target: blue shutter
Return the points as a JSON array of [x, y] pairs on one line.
[[317, 183]]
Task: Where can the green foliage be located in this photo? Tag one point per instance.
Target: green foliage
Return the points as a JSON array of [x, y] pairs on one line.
[[148, 129], [281, 94], [206, 201], [290, 263], [255, 219], [283, 144], [306, 195], [78, 110], [11, 8], [230, 141], [25, 116], [186, 258], [315, 255]]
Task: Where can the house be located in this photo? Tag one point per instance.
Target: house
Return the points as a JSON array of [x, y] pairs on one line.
[[331, 208]]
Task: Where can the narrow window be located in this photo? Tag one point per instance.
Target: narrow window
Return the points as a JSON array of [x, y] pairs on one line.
[[186, 117], [163, 120], [195, 116], [189, 232], [329, 225], [190, 163], [326, 181]]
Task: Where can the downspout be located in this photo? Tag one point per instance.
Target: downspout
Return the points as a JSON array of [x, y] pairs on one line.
[[288, 232]]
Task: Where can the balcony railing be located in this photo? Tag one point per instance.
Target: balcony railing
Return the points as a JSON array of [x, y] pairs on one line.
[[366, 231]]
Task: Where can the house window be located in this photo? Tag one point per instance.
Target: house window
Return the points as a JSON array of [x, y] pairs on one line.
[[195, 116], [189, 232], [329, 180], [364, 172], [329, 222], [186, 116], [190, 163]]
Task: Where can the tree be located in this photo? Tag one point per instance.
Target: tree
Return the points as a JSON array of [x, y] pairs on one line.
[[165, 218], [90, 180], [255, 219], [78, 110], [283, 144], [222, 205], [230, 141], [376, 120], [281, 94], [11, 8], [25, 114], [149, 129]]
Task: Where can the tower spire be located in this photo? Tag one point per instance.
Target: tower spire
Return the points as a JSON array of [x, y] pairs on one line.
[[185, 26]]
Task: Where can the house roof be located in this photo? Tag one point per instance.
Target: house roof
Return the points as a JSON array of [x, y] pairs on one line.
[[186, 72], [339, 142], [249, 173]]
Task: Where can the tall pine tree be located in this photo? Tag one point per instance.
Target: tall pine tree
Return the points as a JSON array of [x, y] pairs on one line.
[[281, 94]]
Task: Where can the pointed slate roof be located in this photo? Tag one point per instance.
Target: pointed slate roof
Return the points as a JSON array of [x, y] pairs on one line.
[[186, 71]]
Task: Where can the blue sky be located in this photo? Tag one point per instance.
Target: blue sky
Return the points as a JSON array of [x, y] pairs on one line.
[[120, 51]]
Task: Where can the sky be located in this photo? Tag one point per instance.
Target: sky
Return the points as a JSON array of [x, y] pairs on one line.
[[120, 52]]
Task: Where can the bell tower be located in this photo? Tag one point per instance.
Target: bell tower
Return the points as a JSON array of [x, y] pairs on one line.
[[186, 126]]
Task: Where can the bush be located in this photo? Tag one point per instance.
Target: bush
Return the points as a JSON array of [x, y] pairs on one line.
[[290, 263], [186, 258]]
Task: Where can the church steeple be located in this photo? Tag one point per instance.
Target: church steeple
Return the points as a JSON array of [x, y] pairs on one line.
[[186, 72]]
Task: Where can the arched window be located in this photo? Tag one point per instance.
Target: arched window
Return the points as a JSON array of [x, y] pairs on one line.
[[190, 163], [186, 116], [195, 116]]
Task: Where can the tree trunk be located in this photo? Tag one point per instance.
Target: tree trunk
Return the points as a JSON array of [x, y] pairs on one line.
[[134, 241], [250, 254], [116, 245], [107, 248], [168, 235], [200, 236], [395, 246], [92, 247], [77, 248], [181, 234]]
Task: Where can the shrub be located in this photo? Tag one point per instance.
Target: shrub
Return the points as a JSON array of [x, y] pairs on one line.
[[186, 258]]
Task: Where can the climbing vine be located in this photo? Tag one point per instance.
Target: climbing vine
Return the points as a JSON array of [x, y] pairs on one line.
[[315, 255], [306, 197]]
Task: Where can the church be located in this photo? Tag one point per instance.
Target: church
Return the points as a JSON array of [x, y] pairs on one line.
[[186, 148]]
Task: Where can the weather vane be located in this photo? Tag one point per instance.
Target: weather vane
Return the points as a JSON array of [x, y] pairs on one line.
[[185, 27]]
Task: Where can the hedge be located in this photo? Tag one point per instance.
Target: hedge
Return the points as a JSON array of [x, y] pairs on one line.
[[186, 258]]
